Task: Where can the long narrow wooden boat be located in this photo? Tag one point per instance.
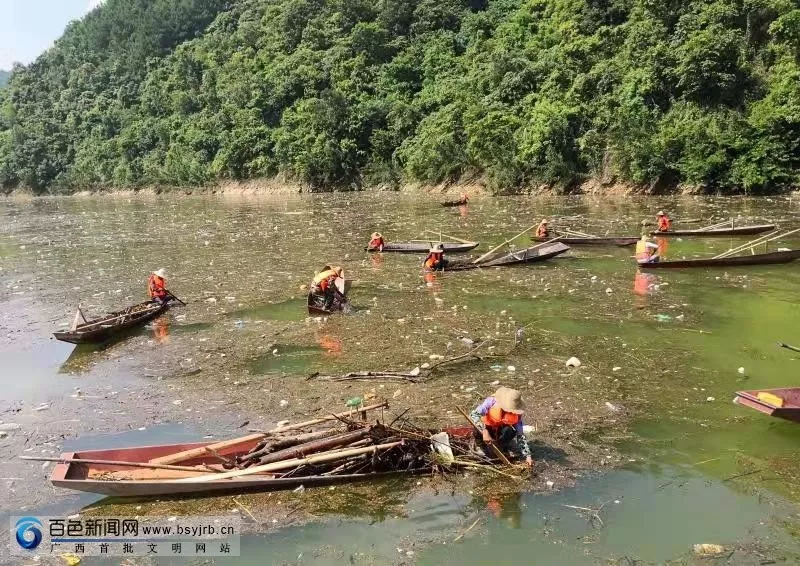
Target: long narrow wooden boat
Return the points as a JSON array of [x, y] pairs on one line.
[[113, 324], [734, 261], [782, 403], [534, 254], [421, 247], [596, 241], [452, 203], [111, 480], [740, 231]]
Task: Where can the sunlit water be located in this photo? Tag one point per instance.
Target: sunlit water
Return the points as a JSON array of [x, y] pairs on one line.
[[677, 338]]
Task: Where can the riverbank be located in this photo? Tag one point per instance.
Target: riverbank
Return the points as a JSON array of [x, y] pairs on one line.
[[475, 187]]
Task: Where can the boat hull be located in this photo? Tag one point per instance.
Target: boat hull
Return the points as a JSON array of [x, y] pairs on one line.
[[790, 411], [76, 476], [534, 254], [105, 333], [413, 247], [741, 231], [738, 261]]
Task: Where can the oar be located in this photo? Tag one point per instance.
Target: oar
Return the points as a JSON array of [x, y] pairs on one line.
[[490, 252], [174, 298], [788, 347]]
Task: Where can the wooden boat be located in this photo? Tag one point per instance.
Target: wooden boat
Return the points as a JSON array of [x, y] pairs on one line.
[[740, 231], [732, 261], [113, 324], [108, 479], [539, 252], [452, 203], [594, 241], [782, 403], [421, 247]]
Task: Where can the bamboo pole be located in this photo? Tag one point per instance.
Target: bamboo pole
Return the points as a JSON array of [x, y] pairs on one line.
[[449, 236], [292, 463], [744, 246], [195, 452], [114, 463], [490, 252], [756, 243], [717, 225], [576, 234]]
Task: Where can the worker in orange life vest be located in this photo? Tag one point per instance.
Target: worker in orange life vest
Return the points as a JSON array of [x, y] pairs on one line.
[[435, 260], [499, 419], [324, 284], [542, 230], [157, 286], [463, 199], [647, 251], [664, 222], [376, 242]]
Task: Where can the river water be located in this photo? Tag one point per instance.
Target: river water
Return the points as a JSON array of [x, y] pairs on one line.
[[666, 350]]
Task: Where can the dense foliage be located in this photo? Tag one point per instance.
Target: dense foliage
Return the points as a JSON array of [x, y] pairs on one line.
[[341, 93], [4, 76]]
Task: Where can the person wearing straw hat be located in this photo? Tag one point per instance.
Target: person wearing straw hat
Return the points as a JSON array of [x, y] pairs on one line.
[[324, 285], [376, 242], [499, 418], [157, 286], [664, 222], [542, 231], [435, 260]]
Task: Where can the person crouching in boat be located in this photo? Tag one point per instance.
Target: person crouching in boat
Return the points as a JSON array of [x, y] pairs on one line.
[[542, 231], [664, 222], [499, 418], [647, 251], [157, 286], [463, 199], [435, 260], [324, 284], [376, 242]]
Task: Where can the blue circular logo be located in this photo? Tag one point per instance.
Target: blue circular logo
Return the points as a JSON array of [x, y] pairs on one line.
[[29, 533]]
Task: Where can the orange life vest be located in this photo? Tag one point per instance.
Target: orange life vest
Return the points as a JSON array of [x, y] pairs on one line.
[[643, 251], [542, 231], [664, 223], [497, 417], [376, 244], [157, 286], [433, 260]]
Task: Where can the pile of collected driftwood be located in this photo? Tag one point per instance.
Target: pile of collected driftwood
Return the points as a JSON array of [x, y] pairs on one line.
[[355, 447]]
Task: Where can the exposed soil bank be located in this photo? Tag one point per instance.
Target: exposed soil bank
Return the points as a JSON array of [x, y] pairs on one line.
[[475, 186]]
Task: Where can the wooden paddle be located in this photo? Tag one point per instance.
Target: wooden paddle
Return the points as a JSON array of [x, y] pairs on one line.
[[174, 298]]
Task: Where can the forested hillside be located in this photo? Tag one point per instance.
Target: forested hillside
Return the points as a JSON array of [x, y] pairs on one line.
[[4, 76], [348, 93]]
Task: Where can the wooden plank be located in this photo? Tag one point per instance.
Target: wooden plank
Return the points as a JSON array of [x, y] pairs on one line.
[[490, 252]]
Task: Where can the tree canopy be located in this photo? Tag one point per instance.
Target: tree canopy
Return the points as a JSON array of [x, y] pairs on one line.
[[347, 93]]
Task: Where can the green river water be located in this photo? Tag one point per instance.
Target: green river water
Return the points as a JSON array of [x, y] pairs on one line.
[[666, 348]]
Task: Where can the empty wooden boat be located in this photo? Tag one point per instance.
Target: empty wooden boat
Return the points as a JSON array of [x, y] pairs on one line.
[[740, 231], [423, 247], [113, 324], [732, 261], [533, 254], [783, 403]]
